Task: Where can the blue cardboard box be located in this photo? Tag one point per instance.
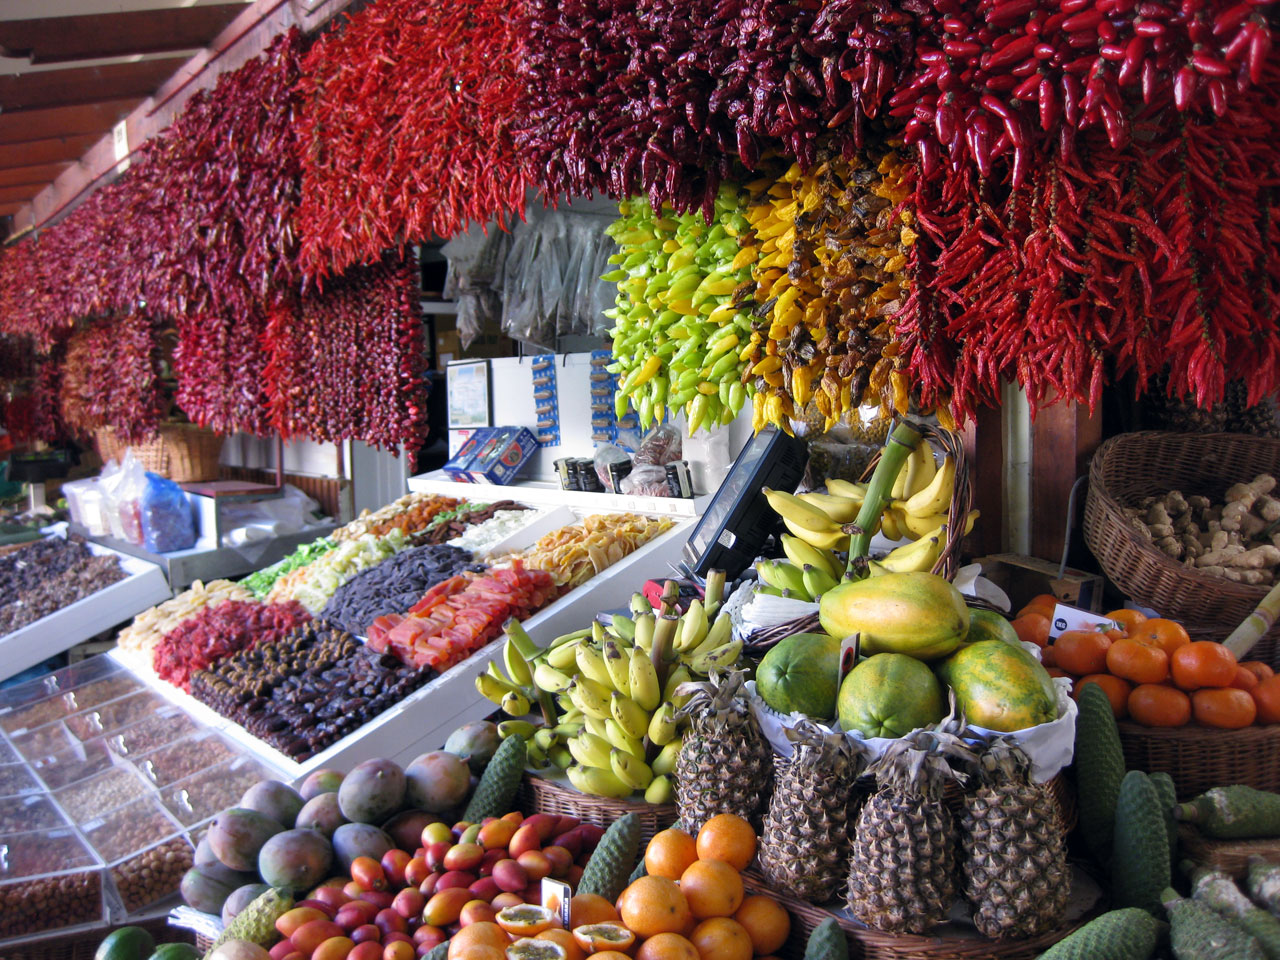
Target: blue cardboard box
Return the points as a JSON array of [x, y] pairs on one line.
[[502, 455], [457, 466]]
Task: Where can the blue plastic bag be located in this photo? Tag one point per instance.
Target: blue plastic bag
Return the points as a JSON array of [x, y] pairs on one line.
[[166, 516]]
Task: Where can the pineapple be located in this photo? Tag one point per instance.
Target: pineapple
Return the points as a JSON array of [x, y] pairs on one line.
[[808, 836], [903, 873], [1013, 849], [725, 764]]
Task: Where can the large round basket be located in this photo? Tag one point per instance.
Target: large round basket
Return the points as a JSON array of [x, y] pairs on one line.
[[1198, 758], [541, 795], [1229, 856], [84, 944], [1149, 464], [874, 945], [182, 452]]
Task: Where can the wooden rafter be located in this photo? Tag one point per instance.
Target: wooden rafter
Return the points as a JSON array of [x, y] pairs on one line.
[[80, 85], [59, 39], [28, 125], [34, 176], [50, 150]]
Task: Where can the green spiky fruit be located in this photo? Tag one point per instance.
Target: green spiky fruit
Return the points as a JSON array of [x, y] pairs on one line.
[[827, 942], [1099, 763], [1168, 794], [496, 792], [1128, 934], [613, 860], [1198, 933], [1140, 869], [257, 922]]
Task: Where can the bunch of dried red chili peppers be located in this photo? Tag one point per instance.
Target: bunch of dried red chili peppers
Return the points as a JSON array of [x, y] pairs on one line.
[[110, 379]]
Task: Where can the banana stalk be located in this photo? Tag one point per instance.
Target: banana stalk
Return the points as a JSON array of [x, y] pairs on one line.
[[902, 441]]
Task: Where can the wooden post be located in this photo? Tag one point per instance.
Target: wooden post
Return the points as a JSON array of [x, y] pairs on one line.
[[984, 446], [1063, 438]]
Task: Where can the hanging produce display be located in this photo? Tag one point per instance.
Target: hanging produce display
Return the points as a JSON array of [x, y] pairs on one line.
[[109, 379], [445, 72]]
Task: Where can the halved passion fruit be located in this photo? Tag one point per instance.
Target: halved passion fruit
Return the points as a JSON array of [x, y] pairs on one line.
[[529, 949], [525, 919], [595, 937]]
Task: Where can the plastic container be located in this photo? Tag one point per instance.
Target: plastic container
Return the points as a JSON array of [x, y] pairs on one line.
[[7, 753], [145, 850], [76, 763], [35, 898], [62, 693], [32, 812], [113, 787], [43, 742], [201, 797], [16, 780], [183, 759], [87, 505], [160, 729], [115, 715]]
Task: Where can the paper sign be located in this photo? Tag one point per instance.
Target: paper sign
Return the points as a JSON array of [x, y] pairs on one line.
[[120, 145], [556, 897], [1073, 618], [849, 648]]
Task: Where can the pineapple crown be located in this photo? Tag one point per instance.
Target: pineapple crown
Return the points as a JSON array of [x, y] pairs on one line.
[[834, 752], [922, 762], [720, 695], [1000, 758]]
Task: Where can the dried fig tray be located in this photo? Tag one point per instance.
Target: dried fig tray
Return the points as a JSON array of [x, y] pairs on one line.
[[112, 716], [112, 788], [16, 779], [199, 798], [34, 898], [76, 762], [31, 812], [183, 759], [167, 725]]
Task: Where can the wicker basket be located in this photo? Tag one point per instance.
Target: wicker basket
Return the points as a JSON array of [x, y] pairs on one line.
[[540, 795], [1198, 758], [182, 452], [865, 943], [83, 945], [1229, 856], [1135, 465]]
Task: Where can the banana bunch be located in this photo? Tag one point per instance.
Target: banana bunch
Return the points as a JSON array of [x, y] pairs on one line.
[[806, 574], [608, 699], [679, 338]]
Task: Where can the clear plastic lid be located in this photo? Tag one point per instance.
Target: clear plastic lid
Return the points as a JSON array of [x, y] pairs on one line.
[[183, 759], [109, 717], [43, 742], [85, 674], [196, 799], [30, 812], [17, 779], [104, 791], [35, 854], [76, 762], [163, 727], [124, 831], [7, 753]]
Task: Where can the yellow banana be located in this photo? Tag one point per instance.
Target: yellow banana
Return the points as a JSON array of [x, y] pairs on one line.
[[917, 527], [665, 762], [515, 704], [718, 659], [591, 665], [936, 497], [640, 605], [889, 524], [839, 509], [631, 717], [644, 631], [693, 627], [900, 481], [590, 697], [595, 726], [564, 657], [623, 740], [843, 488], [630, 770], [914, 557], [516, 728], [617, 662], [719, 634], [548, 678], [589, 750], [801, 552], [518, 668], [806, 515], [660, 790], [662, 725], [598, 781], [677, 676], [835, 539], [643, 679], [923, 468], [971, 519]]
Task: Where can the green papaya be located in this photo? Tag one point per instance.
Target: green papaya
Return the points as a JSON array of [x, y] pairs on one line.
[[127, 943]]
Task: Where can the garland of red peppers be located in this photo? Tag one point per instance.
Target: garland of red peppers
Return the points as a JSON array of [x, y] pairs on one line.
[[1092, 185]]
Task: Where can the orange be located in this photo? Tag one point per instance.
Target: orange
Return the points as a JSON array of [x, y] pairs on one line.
[[476, 935], [729, 838], [1165, 634], [594, 937], [1128, 620], [669, 854], [1245, 679], [1266, 696], [1157, 705], [608, 955], [587, 908], [1203, 664], [1081, 651], [1258, 669], [654, 905], [766, 922], [485, 952], [1227, 708], [722, 938], [563, 937], [1044, 605], [1117, 691], [1032, 628], [667, 946], [713, 889], [1139, 662]]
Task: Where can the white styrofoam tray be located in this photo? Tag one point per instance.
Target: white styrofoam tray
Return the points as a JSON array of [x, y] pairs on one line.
[[421, 722], [144, 586]]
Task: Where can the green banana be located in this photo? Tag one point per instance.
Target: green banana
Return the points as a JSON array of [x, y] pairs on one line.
[[660, 790], [561, 756], [718, 658], [563, 657], [623, 626], [817, 581], [665, 762], [517, 666], [516, 728]]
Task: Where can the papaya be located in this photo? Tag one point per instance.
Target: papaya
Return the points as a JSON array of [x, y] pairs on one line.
[[989, 625], [801, 674], [889, 695], [126, 943], [917, 614], [999, 686]]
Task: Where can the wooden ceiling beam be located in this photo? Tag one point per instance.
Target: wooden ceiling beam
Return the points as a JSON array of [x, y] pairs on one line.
[[51, 150], [25, 125], [245, 37], [9, 209], [40, 175], [60, 39], [80, 85], [18, 194]]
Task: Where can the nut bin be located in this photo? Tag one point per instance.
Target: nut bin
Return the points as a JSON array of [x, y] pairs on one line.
[[44, 742], [105, 791], [163, 727], [48, 880], [32, 812], [7, 753], [69, 690], [16, 779], [145, 850], [75, 763], [152, 874], [183, 759], [209, 792], [109, 717]]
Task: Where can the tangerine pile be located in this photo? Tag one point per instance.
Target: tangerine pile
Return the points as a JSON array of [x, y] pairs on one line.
[[1154, 673], [692, 905]]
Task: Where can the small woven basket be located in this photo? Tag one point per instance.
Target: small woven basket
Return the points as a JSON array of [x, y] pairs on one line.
[[84, 944], [1229, 856], [182, 452], [540, 795], [1132, 466], [1198, 758]]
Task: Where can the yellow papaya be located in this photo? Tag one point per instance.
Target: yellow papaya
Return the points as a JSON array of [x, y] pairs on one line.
[[919, 614], [1000, 686]]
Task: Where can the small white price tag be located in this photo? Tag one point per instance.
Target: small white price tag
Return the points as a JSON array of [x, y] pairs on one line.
[[120, 145], [849, 649], [556, 897], [1073, 618]]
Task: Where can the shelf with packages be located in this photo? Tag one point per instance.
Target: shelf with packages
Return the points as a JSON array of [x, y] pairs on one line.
[[548, 493]]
